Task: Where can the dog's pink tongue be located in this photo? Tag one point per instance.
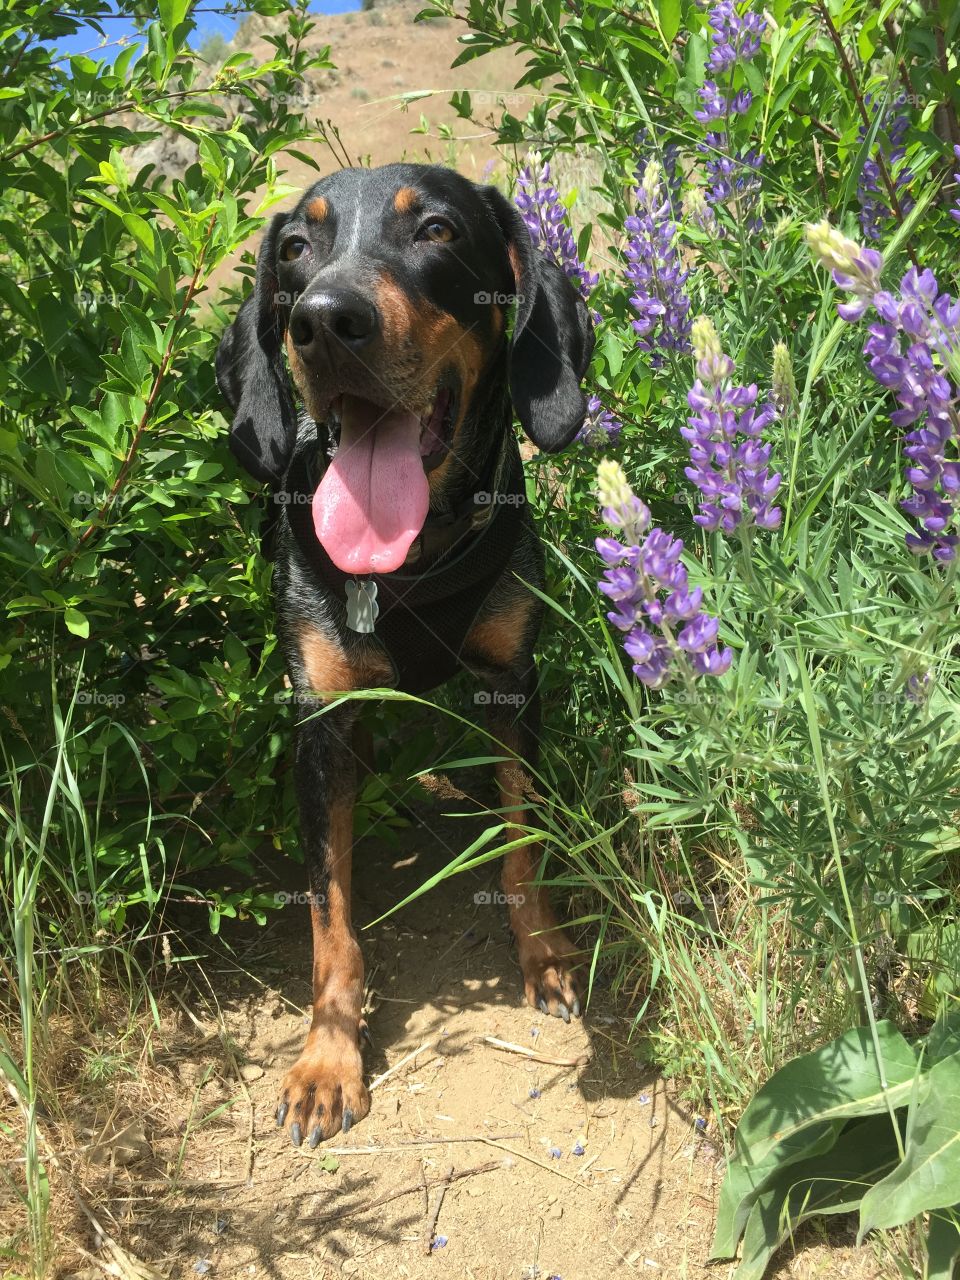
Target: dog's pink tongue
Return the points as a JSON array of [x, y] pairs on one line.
[[374, 496]]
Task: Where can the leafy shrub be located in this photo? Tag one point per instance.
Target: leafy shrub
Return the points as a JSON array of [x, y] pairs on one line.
[[133, 590]]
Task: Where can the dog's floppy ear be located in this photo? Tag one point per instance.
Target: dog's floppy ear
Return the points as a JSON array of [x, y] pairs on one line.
[[552, 337], [251, 373]]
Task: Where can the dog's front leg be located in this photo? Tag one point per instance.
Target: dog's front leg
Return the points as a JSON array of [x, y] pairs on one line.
[[323, 1091], [499, 649]]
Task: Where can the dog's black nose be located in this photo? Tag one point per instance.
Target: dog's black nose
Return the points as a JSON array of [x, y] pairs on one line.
[[348, 317]]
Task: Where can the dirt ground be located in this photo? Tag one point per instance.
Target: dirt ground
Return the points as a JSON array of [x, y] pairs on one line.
[[573, 1171]]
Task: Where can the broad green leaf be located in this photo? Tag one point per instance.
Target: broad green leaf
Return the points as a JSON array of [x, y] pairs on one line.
[[829, 1183], [822, 1089], [929, 1176]]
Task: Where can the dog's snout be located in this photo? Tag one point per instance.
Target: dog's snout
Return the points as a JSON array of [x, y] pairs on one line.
[[341, 314]]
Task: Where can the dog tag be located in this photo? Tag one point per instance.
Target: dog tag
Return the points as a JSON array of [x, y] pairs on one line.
[[362, 607]]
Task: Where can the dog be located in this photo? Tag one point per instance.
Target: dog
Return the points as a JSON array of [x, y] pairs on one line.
[[403, 542]]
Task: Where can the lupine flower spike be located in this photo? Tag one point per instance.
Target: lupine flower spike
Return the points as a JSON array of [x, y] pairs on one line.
[[735, 37], [600, 427], [871, 191], [783, 385], [913, 349], [655, 272], [647, 585], [546, 218], [727, 455]]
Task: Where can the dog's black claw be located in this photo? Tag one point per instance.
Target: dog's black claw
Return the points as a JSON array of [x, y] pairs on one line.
[[295, 1134], [542, 1005], [365, 1033], [315, 1137], [347, 1119], [282, 1114], [576, 1008], [563, 1011]]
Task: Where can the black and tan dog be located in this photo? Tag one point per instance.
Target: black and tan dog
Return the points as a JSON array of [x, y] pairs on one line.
[[403, 541]]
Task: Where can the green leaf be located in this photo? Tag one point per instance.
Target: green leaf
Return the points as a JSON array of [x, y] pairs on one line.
[[943, 1245], [829, 1183], [140, 229], [818, 1090], [929, 1176], [670, 14], [172, 13], [77, 623]]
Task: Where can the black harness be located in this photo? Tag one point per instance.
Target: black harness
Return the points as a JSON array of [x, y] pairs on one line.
[[425, 613]]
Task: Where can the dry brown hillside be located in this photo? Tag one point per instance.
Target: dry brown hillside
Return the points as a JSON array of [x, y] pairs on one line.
[[382, 54]]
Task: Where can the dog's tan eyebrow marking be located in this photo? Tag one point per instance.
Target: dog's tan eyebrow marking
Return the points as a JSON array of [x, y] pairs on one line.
[[318, 209], [405, 200]]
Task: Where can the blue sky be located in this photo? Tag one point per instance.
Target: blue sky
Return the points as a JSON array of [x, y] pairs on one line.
[[85, 41]]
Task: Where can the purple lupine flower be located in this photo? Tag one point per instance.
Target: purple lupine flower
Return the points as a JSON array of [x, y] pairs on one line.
[[729, 460], [655, 272], [600, 427], [912, 349], [735, 36], [955, 211], [546, 218], [732, 173], [919, 687], [647, 583], [871, 192]]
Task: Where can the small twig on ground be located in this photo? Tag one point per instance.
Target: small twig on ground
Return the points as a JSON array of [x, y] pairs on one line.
[[410, 1189], [416, 1142], [427, 1044], [430, 1227], [580, 1061]]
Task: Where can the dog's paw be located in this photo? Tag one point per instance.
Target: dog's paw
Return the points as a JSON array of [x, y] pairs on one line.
[[549, 981], [323, 1092]]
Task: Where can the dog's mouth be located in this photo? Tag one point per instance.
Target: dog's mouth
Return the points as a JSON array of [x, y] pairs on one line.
[[374, 496], [436, 426]]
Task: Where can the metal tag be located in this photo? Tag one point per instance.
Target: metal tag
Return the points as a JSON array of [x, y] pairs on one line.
[[362, 607]]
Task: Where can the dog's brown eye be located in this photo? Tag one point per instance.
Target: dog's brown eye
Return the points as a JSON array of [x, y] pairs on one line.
[[294, 249], [436, 230]]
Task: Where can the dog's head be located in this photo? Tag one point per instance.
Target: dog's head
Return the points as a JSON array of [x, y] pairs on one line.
[[389, 289]]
